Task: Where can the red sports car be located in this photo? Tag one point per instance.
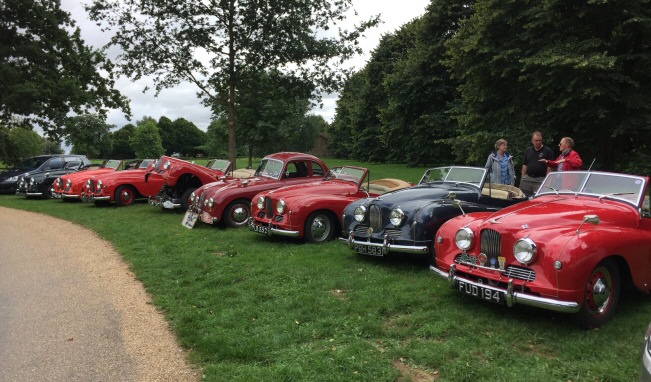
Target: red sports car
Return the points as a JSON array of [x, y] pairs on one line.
[[122, 187], [70, 186], [312, 210], [570, 248], [181, 178], [229, 200]]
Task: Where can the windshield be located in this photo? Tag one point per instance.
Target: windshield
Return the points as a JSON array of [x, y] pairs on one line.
[[31, 163], [349, 174], [270, 168], [472, 175], [112, 163], [145, 163], [218, 164], [628, 188]]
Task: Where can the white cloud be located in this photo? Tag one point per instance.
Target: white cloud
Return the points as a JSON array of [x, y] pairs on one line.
[[182, 102]]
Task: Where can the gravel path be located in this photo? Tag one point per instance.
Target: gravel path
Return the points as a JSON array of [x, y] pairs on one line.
[[71, 310]]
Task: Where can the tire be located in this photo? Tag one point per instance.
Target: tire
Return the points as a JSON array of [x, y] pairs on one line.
[[237, 213], [598, 308], [125, 196], [319, 227], [185, 198]]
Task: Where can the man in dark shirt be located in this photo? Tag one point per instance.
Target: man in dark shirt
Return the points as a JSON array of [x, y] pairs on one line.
[[534, 171]]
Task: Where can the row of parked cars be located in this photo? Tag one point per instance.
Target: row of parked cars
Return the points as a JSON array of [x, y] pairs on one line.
[[573, 247]]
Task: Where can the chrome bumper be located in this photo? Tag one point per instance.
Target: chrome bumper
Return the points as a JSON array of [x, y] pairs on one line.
[[511, 296], [388, 247], [167, 204], [34, 193], [68, 196]]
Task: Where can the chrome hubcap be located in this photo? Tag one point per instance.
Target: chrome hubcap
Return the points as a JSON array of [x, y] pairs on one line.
[[599, 291], [240, 214], [126, 196], [320, 227]]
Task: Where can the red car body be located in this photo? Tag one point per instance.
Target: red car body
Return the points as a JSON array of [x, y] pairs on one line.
[[122, 187], [229, 200], [570, 248], [71, 186], [181, 178], [311, 211]]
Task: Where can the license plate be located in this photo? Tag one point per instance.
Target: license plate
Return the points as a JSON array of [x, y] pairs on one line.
[[263, 229], [481, 292], [190, 219], [367, 249]]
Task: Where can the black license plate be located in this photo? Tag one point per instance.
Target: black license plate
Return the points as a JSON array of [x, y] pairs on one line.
[[263, 229], [367, 249], [481, 292]]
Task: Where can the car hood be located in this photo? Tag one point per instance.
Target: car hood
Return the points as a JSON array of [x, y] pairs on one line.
[[561, 213], [328, 187], [138, 173], [12, 172], [85, 174], [234, 183], [427, 194]]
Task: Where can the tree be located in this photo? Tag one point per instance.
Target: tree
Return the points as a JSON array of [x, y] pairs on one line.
[[146, 141], [189, 138], [565, 67], [47, 71], [52, 147], [120, 147], [22, 143], [238, 39], [88, 133]]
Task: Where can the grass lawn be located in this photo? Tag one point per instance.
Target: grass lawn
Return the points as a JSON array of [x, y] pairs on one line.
[[256, 308]]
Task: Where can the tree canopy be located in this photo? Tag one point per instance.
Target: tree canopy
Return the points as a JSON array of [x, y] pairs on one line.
[[216, 45], [46, 70]]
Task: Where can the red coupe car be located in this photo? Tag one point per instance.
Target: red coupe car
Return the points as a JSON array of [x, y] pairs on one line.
[[70, 186], [122, 187], [311, 211], [229, 200], [570, 248]]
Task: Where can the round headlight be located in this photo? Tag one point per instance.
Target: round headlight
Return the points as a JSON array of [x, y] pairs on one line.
[[464, 238], [397, 217], [211, 202], [166, 165], [360, 213], [280, 207], [193, 197], [68, 183], [99, 184], [260, 202], [32, 181], [525, 250]]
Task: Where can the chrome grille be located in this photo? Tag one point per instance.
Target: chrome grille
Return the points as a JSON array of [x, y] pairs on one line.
[[201, 201], [91, 184], [361, 230], [392, 233], [520, 273], [491, 245], [375, 218], [268, 207]]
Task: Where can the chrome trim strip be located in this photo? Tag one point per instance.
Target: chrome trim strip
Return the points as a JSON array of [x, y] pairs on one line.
[[511, 296], [282, 232]]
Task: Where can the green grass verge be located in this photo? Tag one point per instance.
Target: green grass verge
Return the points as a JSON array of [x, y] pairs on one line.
[[253, 308]]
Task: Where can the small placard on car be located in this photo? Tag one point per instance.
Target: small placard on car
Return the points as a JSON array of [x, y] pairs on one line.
[[190, 219]]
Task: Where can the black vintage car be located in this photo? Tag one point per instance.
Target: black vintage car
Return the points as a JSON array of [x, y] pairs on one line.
[[9, 178], [405, 221], [38, 184]]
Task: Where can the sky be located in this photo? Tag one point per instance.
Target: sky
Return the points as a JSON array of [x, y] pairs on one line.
[[182, 102]]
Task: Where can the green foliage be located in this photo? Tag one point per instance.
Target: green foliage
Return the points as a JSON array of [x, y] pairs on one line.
[[89, 133], [146, 141], [120, 147], [239, 41], [47, 71], [52, 147], [22, 143]]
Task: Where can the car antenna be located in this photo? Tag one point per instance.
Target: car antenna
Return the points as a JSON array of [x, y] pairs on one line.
[[591, 164]]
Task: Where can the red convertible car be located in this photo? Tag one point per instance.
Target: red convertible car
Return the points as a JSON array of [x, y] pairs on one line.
[[181, 178], [229, 200], [312, 210], [122, 187], [70, 186], [570, 248]]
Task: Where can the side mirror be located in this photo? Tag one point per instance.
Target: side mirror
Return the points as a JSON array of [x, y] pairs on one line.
[[452, 195], [592, 219]]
